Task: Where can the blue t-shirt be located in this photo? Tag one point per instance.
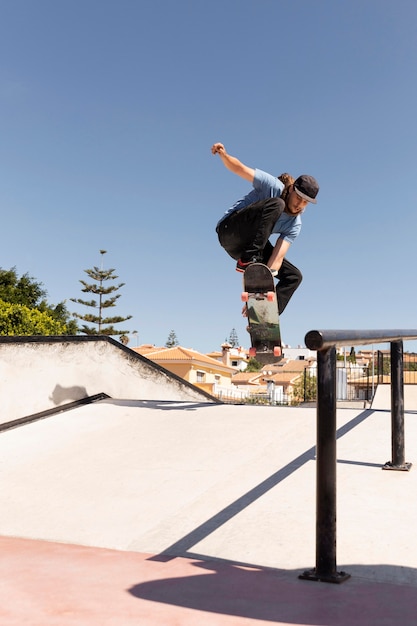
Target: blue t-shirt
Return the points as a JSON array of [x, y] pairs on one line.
[[267, 186]]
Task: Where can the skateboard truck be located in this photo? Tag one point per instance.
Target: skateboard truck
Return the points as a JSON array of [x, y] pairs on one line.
[[269, 295], [277, 351]]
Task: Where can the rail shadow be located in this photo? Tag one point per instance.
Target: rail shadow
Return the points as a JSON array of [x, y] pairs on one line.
[[226, 588], [183, 545]]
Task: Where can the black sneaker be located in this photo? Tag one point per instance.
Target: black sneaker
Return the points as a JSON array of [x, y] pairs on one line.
[[241, 266]]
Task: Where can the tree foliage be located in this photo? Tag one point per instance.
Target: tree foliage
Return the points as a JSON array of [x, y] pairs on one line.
[[172, 340], [103, 325], [18, 320], [352, 355], [233, 338], [305, 389], [382, 365], [25, 291], [253, 365]]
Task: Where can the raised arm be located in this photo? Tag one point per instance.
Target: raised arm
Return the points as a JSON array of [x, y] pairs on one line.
[[232, 163]]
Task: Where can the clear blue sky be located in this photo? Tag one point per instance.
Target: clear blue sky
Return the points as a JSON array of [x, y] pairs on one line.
[[108, 110]]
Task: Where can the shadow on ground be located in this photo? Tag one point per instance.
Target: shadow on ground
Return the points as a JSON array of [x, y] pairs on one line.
[[279, 596]]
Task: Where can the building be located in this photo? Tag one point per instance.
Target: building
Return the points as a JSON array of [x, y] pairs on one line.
[[199, 369], [276, 381], [232, 356]]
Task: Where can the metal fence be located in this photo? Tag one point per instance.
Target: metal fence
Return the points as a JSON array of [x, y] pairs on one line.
[[357, 377]]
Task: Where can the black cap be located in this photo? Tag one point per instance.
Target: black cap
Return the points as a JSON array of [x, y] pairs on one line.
[[307, 188]]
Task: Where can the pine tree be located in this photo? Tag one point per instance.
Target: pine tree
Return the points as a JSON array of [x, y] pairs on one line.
[[100, 276], [233, 339], [352, 355], [172, 340]]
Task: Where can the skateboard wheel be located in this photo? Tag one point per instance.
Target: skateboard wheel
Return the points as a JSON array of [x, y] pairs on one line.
[[244, 296], [252, 351], [277, 351], [270, 296]]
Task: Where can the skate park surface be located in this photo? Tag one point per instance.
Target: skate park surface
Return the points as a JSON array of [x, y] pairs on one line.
[[179, 510]]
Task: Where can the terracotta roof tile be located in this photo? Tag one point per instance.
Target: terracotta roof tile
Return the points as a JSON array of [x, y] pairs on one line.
[[184, 355]]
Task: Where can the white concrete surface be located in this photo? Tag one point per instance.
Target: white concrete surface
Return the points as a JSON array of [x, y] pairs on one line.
[[228, 482], [42, 374], [382, 397]]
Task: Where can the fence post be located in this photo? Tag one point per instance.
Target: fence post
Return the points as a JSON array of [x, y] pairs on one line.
[[397, 409], [305, 385], [380, 366], [325, 569]]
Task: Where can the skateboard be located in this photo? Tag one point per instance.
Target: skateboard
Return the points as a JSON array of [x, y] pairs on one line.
[[262, 311]]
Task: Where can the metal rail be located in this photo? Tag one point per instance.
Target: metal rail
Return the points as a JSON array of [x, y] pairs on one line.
[[325, 342], [320, 339]]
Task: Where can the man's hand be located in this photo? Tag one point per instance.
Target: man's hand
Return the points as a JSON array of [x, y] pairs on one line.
[[218, 148], [232, 163], [278, 253]]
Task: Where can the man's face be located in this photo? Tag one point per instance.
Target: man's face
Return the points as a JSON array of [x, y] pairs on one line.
[[295, 204]]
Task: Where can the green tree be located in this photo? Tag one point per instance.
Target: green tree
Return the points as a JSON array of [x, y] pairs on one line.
[[304, 389], [30, 293], [253, 365], [352, 356], [233, 338], [24, 290], [172, 340], [382, 365], [20, 320], [103, 325]]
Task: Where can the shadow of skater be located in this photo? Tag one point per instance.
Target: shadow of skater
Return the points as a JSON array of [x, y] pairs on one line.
[[278, 596], [65, 394]]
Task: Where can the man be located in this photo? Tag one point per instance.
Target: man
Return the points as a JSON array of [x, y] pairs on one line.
[[274, 206]]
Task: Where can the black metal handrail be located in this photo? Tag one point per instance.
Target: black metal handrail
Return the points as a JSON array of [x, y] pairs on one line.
[[325, 342], [321, 339]]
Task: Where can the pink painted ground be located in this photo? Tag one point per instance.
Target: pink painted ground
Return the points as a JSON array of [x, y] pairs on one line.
[[52, 584]]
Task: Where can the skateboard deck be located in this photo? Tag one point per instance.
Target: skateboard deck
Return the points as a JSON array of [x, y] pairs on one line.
[[262, 311]]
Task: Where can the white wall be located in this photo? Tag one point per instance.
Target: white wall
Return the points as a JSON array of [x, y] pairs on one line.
[[37, 374]]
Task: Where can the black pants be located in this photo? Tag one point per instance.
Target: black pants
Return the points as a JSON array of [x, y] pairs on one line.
[[289, 277], [245, 235], [245, 232]]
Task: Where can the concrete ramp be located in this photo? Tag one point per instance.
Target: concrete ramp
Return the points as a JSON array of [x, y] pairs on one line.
[[128, 513], [187, 479], [382, 398], [44, 373]]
